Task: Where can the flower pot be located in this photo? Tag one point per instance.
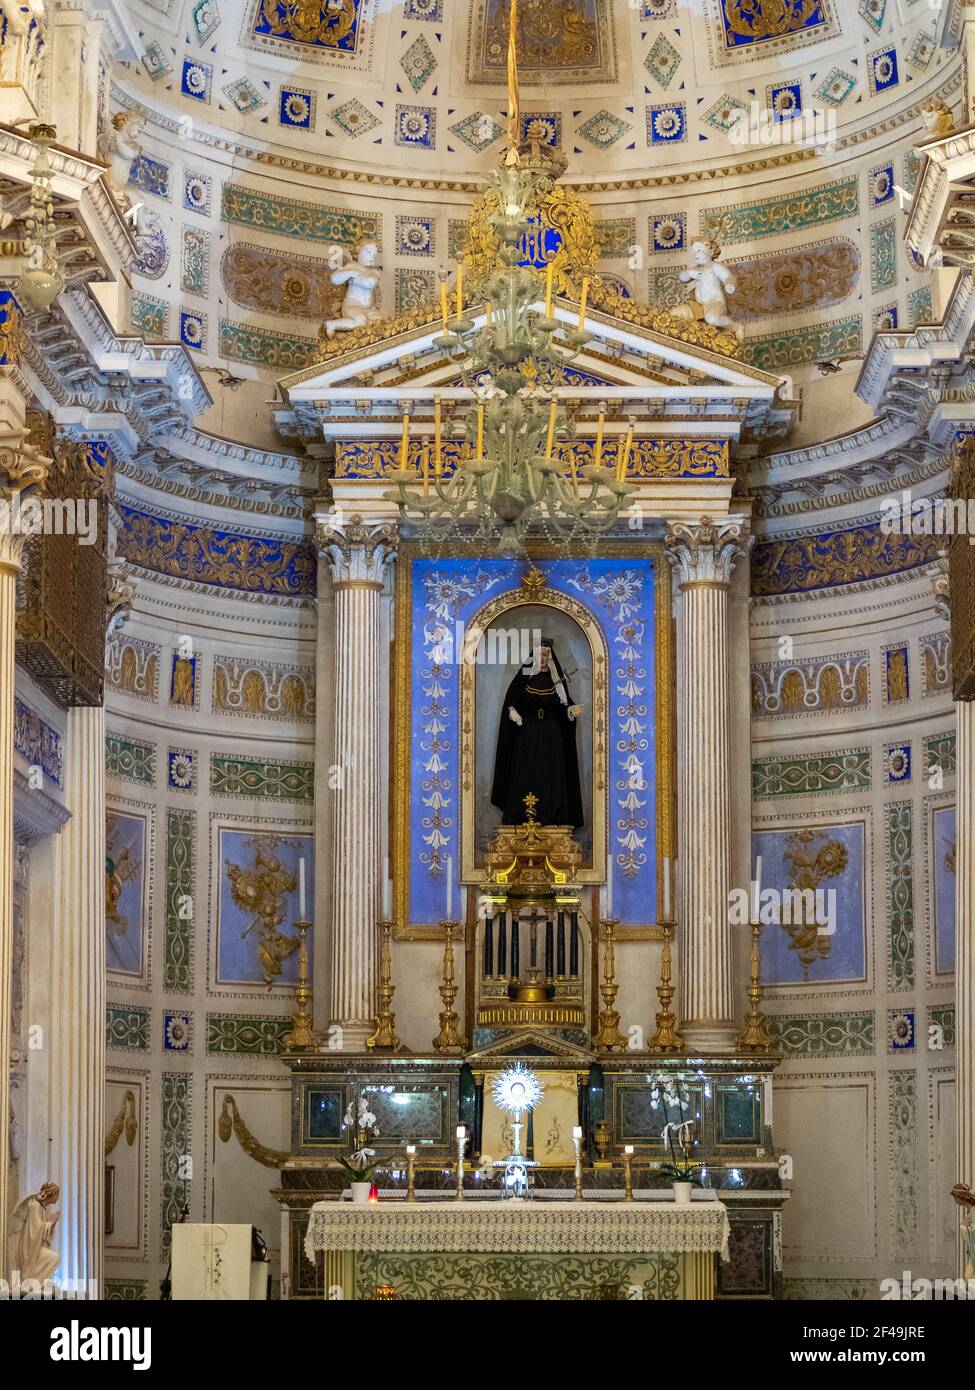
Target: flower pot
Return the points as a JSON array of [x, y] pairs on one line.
[[360, 1191], [682, 1193]]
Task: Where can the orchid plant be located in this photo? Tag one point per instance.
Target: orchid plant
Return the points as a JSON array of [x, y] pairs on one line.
[[676, 1134], [362, 1162]]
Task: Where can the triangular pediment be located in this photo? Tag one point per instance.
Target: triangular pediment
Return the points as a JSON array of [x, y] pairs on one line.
[[531, 1044]]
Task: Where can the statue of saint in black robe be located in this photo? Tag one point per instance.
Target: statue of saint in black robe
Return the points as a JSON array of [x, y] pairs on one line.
[[536, 752]]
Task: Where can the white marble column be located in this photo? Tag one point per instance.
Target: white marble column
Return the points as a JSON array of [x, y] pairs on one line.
[[20, 471], [702, 557], [965, 946], [358, 557], [77, 1028]]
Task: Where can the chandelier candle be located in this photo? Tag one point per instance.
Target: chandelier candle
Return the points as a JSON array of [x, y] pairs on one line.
[[480, 433], [438, 436], [599, 438], [443, 302], [404, 444], [460, 290], [550, 441], [549, 276], [624, 458], [426, 467]]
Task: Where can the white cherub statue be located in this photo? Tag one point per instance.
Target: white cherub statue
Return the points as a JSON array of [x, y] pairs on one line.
[[361, 279], [712, 285], [120, 146]]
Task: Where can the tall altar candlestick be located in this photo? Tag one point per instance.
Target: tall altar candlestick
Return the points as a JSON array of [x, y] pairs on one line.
[[301, 890], [667, 888], [628, 1173], [583, 301], [404, 443], [461, 1141], [410, 1162], [550, 440], [577, 1145]]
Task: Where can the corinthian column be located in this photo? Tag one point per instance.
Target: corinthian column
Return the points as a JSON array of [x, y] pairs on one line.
[[702, 558], [77, 1041], [358, 557], [965, 946]]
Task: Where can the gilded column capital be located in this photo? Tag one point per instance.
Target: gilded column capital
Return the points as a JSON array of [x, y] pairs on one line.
[[21, 472], [705, 552], [357, 553]]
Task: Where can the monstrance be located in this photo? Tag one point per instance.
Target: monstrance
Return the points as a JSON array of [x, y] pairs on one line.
[[516, 1090]]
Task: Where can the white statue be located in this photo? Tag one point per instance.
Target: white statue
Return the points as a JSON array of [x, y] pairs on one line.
[[712, 285], [29, 1235], [361, 279], [120, 146]]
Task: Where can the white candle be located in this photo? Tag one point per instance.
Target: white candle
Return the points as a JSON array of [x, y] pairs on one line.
[[609, 889], [301, 890], [667, 888], [411, 1149], [628, 1149], [450, 887], [577, 1133], [461, 1132], [757, 886], [387, 891]]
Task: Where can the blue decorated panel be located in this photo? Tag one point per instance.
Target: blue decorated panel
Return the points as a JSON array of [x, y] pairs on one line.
[[258, 904], [944, 843], [826, 859], [126, 839], [616, 600]]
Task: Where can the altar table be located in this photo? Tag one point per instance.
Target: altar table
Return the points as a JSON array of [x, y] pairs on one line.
[[500, 1249]]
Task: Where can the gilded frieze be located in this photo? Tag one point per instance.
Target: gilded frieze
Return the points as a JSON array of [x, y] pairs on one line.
[[790, 688], [274, 282], [650, 458], [262, 690], [795, 281], [132, 668], [206, 555], [796, 564], [559, 41]]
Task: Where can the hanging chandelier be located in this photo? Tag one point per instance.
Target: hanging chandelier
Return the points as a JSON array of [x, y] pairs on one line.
[[508, 477]]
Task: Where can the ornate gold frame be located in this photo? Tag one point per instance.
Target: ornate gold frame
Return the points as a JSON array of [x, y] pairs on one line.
[[664, 729]]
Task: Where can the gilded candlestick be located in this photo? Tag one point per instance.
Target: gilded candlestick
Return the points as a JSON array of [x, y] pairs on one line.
[[449, 1039], [410, 1164], [384, 1039], [608, 1037], [755, 1036], [302, 1036], [667, 1036]]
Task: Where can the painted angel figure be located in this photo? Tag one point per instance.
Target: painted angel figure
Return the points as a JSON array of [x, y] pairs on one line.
[[712, 284], [361, 279]]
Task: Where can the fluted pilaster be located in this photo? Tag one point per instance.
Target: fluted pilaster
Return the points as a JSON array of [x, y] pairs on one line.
[[358, 556], [702, 558], [20, 470], [77, 1040], [965, 946]]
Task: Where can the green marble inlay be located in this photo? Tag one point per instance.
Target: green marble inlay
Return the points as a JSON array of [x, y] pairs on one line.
[[800, 773], [778, 216], [126, 1290], [246, 1036], [939, 752], [903, 1133], [883, 255], [292, 782], [130, 759], [819, 343], [240, 342], [942, 1016], [180, 872], [501, 1278], [267, 212], [127, 1028], [825, 1035], [177, 1091], [899, 838]]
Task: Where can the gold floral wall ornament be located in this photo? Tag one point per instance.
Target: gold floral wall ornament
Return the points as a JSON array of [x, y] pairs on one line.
[[126, 1121], [563, 219], [694, 331], [260, 891], [814, 858], [229, 1121]]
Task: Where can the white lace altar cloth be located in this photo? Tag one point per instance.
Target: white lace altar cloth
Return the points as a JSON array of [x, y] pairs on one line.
[[501, 1227]]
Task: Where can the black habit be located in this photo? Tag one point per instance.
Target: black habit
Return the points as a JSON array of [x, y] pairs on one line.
[[539, 756]]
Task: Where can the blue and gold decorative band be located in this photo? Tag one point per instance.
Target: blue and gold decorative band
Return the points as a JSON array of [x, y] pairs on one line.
[[797, 564], [206, 555], [651, 458]]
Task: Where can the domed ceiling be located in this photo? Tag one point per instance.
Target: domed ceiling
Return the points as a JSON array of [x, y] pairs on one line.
[[278, 127]]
